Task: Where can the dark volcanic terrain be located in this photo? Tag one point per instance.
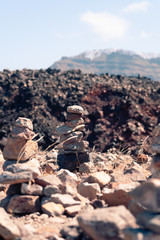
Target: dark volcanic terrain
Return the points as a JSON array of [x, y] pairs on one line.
[[119, 111]]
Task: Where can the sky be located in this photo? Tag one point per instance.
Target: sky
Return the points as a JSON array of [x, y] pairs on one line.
[[36, 33]]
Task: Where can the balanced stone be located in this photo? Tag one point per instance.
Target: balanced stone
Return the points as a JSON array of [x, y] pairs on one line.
[[77, 134], [24, 122], [71, 143], [20, 145], [78, 146], [66, 129], [75, 109], [22, 132], [74, 123], [73, 116]]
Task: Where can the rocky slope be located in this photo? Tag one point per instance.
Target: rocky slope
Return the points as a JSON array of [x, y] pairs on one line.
[[119, 111], [100, 201], [113, 61]]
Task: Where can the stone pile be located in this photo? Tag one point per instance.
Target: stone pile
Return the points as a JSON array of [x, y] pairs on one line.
[[20, 146], [72, 149], [91, 199]]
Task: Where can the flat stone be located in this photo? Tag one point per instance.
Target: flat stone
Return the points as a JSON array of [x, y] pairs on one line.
[[12, 178], [129, 175], [19, 173], [74, 123], [29, 165], [8, 230], [75, 109], [72, 140], [148, 195], [51, 208], [23, 204], [77, 134], [31, 189], [89, 190], [106, 223], [150, 221], [48, 180], [73, 116], [101, 178], [72, 211], [66, 129], [65, 199], [77, 146], [136, 175]]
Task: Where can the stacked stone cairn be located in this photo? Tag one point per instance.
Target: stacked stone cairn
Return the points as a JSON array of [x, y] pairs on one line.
[[20, 146], [72, 149], [155, 168]]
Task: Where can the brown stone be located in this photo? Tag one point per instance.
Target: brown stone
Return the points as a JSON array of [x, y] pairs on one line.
[[66, 129], [99, 177], [73, 116], [22, 132], [74, 123], [77, 146], [76, 134], [23, 204], [51, 208], [65, 199], [48, 180], [89, 190], [31, 189], [17, 148], [72, 211], [75, 109]]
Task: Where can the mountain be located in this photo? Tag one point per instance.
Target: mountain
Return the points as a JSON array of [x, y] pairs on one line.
[[113, 61]]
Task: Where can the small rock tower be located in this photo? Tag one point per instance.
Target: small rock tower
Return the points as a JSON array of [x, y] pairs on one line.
[[72, 149]]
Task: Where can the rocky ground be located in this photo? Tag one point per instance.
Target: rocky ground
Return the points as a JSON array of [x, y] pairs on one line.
[[119, 111], [97, 202]]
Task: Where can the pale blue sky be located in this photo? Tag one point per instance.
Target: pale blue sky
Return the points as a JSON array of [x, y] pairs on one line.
[[36, 33]]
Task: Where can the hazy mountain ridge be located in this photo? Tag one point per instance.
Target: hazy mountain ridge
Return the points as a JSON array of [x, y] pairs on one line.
[[114, 62]]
